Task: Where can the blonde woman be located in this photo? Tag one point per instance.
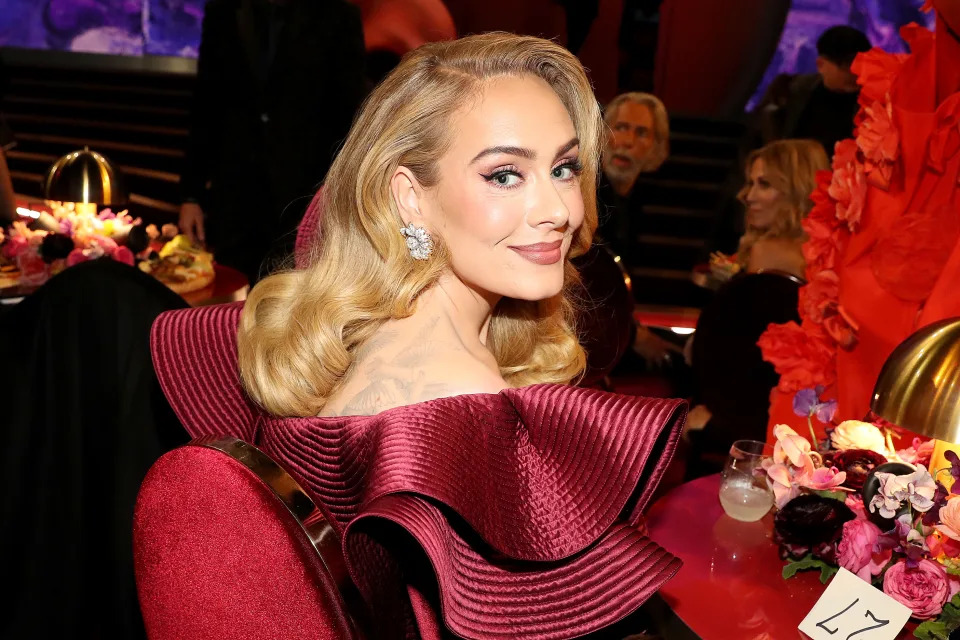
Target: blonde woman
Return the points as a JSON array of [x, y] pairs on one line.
[[400, 375], [779, 180]]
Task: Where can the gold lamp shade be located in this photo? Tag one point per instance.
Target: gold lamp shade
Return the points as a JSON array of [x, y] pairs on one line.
[[919, 385], [84, 177]]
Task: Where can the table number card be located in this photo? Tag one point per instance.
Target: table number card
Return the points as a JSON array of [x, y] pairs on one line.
[[853, 609]]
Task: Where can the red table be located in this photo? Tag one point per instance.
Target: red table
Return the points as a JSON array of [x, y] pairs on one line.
[[230, 285], [730, 586]]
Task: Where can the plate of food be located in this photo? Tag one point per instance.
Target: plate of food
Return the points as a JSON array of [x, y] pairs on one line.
[[181, 266]]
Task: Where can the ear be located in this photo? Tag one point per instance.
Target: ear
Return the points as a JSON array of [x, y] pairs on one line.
[[821, 61], [409, 196]]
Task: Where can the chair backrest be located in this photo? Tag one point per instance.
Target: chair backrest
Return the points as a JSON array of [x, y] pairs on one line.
[[731, 377], [606, 320], [227, 545]]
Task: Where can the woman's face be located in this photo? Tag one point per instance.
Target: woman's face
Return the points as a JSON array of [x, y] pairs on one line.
[[508, 199], [762, 198]]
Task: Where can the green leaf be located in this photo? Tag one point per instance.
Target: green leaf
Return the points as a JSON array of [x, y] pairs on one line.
[[827, 570], [836, 495], [940, 627], [931, 630]]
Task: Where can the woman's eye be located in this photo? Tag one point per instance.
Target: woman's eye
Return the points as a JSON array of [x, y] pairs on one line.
[[504, 178], [567, 171]]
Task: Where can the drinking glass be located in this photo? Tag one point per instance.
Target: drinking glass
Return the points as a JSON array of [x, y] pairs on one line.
[[744, 493]]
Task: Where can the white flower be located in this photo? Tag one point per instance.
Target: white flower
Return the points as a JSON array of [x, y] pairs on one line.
[[854, 434], [918, 488]]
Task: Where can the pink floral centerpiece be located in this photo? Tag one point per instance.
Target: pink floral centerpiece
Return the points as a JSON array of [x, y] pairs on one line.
[[74, 237], [857, 502]]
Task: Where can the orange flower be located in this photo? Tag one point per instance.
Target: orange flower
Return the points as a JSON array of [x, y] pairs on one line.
[[879, 140], [849, 185]]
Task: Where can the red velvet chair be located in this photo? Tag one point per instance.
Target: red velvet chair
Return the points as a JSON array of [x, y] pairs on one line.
[[227, 545]]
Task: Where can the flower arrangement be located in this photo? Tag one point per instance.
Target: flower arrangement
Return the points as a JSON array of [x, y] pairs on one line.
[[71, 237], [856, 502]]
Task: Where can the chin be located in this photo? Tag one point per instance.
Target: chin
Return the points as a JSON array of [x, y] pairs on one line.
[[538, 286]]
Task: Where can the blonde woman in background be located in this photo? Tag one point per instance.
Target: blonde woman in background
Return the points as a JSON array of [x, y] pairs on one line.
[[776, 195]]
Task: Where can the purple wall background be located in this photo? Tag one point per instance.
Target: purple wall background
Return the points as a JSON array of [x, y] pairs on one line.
[[879, 19], [127, 27], [172, 27]]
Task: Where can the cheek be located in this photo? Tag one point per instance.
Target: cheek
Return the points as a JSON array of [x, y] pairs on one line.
[[476, 216], [573, 200], [769, 196]]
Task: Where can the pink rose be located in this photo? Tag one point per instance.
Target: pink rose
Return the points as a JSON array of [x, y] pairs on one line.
[[950, 520], [124, 255], [924, 590], [14, 246], [855, 502], [856, 554], [76, 257]]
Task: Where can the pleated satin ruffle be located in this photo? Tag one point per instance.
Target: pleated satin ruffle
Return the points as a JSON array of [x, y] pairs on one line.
[[525, 504]]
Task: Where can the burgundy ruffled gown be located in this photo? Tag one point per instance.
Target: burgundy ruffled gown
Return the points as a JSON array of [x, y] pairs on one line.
[[510, 515]]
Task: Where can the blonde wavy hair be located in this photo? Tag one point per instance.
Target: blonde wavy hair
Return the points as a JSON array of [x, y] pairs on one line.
[[791, 168], [300, 329]]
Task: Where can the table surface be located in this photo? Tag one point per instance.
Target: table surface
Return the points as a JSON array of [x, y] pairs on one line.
[[229, 285], [666, 317], [730, 586]]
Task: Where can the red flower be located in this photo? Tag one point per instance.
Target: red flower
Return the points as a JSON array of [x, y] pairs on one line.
[[876, 71], [849, 185], [803, 356], [124, 255], [879, 140], [838, 324], [819, 295]]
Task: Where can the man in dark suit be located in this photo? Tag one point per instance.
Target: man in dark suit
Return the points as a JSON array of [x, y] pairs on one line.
[[278, 83], [820, 106]]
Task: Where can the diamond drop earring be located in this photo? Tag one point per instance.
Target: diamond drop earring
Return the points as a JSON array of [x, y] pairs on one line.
[[419, 241]]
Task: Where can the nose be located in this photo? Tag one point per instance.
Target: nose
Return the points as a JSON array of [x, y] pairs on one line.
[[547, 208], [752, 195], [624, 139]]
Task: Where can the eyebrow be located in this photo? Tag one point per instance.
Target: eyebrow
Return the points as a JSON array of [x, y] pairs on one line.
[[523, 152]]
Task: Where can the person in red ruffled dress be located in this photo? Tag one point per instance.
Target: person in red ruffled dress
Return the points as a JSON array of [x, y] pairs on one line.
[[883, 254]]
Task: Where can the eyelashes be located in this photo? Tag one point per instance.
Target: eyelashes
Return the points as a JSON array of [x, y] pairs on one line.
[[510, 176]]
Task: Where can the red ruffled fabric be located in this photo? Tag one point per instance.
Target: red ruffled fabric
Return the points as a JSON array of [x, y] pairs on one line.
[[883, 255], [524, 505]]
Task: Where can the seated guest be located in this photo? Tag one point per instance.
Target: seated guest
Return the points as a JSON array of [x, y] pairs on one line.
[[414, 374], [779, 180], [639, 142], [820, 106]]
